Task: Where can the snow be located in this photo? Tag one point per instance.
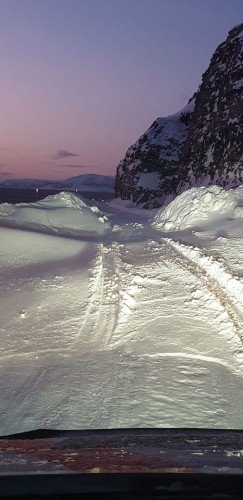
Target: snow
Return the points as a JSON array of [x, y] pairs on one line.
[[166, 132], [63, 213], [122, 322], [238, 84], [171, 127], [197, 207]]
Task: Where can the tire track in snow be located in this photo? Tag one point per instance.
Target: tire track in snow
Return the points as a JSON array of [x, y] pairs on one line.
[[132, 281], [102, 313], [226, 289]]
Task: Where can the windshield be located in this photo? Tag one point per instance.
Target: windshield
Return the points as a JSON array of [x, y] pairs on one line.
[[121, 288]]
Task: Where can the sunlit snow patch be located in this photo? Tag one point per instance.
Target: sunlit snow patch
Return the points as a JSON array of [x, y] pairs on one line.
[[198, 207], [62, 213]]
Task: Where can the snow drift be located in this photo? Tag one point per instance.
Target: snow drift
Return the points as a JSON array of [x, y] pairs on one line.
[[63, 213], [198, 208]]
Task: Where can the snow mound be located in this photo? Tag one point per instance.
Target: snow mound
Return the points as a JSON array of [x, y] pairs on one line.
[[63, 213], [198, 207]]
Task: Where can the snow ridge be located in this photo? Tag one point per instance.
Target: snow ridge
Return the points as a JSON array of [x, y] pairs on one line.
[[228, 290], [63, 214]]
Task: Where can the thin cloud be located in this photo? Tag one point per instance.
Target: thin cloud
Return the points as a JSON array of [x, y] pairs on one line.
[[65, 165], [6, 149], [5, 174], [62, 153]]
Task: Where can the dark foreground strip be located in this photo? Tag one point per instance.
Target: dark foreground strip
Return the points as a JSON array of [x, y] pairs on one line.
[[123, 486], [123, 464]]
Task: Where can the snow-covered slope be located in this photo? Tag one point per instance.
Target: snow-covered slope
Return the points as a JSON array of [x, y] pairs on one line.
[[138, 327], [201, 149], [87, 182], [149, 167]]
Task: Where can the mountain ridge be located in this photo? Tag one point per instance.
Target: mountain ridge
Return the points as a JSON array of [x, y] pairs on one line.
[[84, 182]]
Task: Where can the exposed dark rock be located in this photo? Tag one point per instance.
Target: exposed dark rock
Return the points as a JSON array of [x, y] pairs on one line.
[[149, 169], [200, 145], [213, 152]]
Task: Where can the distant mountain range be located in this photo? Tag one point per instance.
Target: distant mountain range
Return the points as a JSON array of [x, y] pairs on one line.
[[87, 182], [199, 146]]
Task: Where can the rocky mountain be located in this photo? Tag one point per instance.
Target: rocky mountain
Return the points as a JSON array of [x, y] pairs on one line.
[[213, 152], [201, 145], [149, 168]]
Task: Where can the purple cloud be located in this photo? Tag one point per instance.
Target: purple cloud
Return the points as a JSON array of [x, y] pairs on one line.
[[62, 153]]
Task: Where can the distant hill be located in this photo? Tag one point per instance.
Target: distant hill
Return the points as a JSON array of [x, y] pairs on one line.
[[87, 182]]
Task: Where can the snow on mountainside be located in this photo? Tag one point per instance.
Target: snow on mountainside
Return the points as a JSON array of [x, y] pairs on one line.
[[149, 167], [213, 152], [205, 148], [87, 182]]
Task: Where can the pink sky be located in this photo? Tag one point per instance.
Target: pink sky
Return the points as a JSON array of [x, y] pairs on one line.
[[82, 79]]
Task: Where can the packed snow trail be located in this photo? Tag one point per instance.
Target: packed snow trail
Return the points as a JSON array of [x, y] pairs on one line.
[[227, 288], [102, 312], [136, 329], [150, 287], [123, 365]]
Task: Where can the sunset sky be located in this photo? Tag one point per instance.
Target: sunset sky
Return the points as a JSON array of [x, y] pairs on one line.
[[82, 79]]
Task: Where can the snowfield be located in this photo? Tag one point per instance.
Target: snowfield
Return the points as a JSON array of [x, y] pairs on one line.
[[115, 317]]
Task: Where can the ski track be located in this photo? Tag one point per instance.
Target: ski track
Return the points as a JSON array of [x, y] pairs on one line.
[[226, 288]]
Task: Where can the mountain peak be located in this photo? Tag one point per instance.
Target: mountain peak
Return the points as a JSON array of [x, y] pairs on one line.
[[149, 167], [236, 32], [199, 146]]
